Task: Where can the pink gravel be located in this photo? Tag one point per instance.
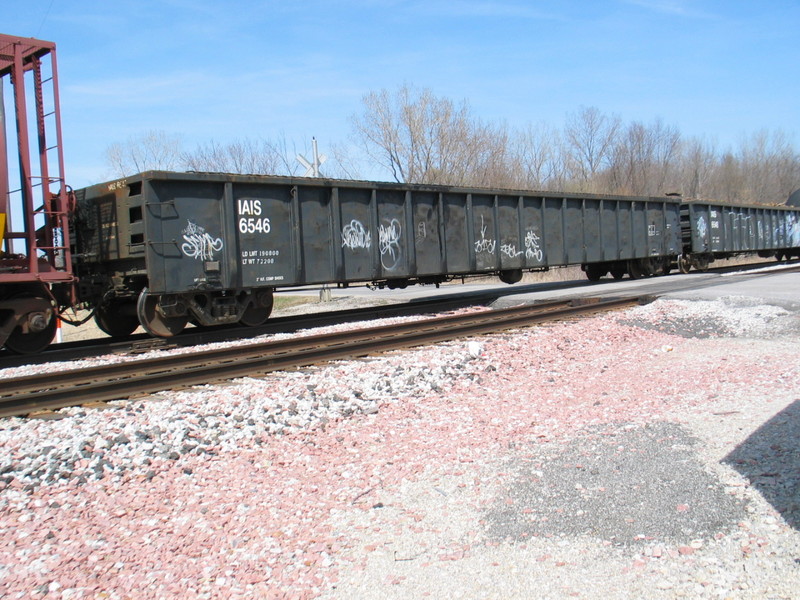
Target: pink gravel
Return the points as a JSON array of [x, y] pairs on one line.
[[257, 521]]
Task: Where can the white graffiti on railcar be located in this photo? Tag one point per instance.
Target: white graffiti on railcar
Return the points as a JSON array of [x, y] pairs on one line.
[[793, 229], [702, 228], [422, 232], [484, 244], [200, 244], [389, 243], [355, 235], [117, 185], [532, 249], [510, 250]]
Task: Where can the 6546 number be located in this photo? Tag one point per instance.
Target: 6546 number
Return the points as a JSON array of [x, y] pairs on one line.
[[254, 225]]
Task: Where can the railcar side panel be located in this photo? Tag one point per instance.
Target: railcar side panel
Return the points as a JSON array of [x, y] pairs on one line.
[[359, 222], [574, 234], [592, 236], [188, 238], [609, 230], [625, 228], [262, 225], [554, 226], [484, 232], [511, 235], [640, 239], [458, 233], [394, 223], [428, 250], [314, 233], [532, 224]]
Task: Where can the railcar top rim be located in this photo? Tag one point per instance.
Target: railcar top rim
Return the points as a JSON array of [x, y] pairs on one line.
[[221, 177]]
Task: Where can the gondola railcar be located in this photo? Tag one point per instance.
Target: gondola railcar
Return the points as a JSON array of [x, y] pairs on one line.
[[162, 249]]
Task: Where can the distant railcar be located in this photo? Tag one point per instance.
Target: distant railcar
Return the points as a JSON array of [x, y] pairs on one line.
[[162, 249], [712, 230]]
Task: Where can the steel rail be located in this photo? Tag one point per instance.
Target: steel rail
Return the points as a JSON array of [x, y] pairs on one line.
[[286, 324], [23, 395]]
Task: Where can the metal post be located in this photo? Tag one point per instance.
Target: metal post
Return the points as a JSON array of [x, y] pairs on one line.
[[4, 182]]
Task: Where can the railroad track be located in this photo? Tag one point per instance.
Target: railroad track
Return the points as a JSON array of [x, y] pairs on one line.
[[139, 343], [25, 395]]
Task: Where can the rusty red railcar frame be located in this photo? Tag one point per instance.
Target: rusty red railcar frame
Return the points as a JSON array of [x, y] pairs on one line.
[[37, 212]]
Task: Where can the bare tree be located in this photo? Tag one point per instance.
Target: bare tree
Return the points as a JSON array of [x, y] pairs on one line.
[[697, 164], [538, 158], [644, 159], [245, 156], [589, 138], [420, 138], [153, 150], [769, 167]]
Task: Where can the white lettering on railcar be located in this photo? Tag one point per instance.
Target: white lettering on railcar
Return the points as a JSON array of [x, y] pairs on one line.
[[254, 225], [259, 257], [200, 244], [355, 235], [249, 207], [251, 219]]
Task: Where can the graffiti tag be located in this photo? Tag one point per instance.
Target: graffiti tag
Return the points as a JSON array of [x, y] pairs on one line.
[[389, 243], [510, 250], [355, 235], [199, 244], [484, 244], [532, 249]]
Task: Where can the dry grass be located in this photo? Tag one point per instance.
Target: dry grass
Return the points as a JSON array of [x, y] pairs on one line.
[[282, 302]]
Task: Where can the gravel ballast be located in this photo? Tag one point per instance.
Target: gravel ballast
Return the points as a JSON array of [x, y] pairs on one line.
[[649, 453]]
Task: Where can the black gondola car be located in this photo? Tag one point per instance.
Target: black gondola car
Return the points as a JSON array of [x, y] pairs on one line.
[[162, 248], [712, 230]]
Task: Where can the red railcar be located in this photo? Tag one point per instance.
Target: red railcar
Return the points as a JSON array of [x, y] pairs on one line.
[[36, 278]]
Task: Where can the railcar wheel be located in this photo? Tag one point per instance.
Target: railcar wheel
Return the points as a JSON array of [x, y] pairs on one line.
[[637, 269], [511, 276], [41, 329], [594, 272], [154, 321], [684, 264], [701, 263], [618, 272], [258, 311], [117, 319]]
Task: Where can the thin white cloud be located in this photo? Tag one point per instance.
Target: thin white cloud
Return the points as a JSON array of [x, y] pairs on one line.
[[679, 8], [480, 8], [463, 8]]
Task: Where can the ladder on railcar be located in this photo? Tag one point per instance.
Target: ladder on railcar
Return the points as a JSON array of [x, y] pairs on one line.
[[34, 199]]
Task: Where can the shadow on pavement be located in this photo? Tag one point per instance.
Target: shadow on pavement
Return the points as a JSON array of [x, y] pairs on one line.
[[770, 460]]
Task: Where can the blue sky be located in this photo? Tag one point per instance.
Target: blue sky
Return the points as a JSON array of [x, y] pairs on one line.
[[225, 70]]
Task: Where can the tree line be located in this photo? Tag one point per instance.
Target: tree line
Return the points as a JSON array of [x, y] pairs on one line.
[[413, 136]]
